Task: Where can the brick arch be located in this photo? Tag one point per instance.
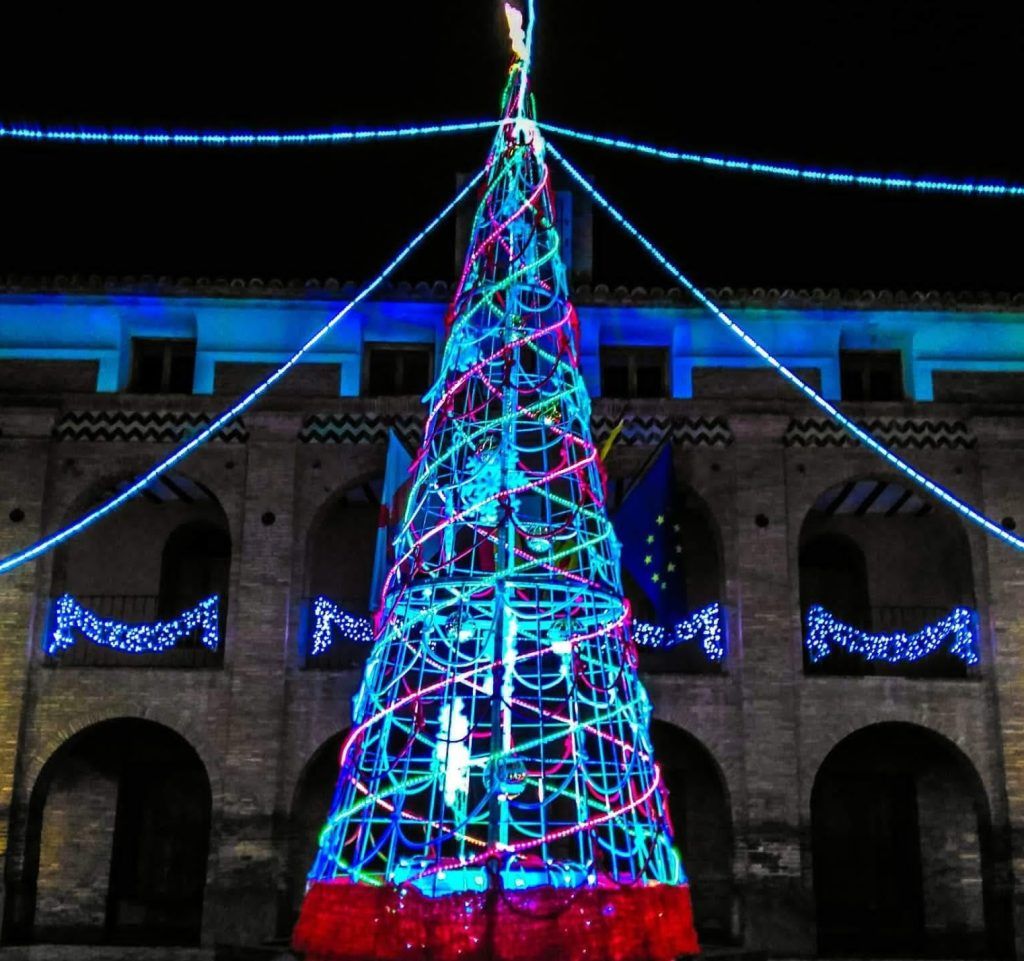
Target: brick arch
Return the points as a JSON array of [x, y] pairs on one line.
[[125, 582], [326, 501], [346, 577], [309, 805], [882, 555], [701, 808], [187, 727], [120, 796], [95, 478], [883, 713], [903, 851]]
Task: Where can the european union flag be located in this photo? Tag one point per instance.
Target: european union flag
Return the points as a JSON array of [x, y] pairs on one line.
[[651, 537]]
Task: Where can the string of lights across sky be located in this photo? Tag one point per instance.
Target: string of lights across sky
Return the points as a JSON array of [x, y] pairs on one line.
[[337, 137], [153, 138]]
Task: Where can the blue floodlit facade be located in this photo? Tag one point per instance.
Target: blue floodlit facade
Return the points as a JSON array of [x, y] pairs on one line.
[[248, 323]]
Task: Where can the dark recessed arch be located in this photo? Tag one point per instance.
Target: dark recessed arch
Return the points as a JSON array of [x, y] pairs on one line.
[[699, 805], [704, 581], [903, 849], [340, 545], [311, 803], [117, 839]]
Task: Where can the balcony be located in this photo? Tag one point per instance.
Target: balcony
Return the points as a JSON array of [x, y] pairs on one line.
[[114, 616]]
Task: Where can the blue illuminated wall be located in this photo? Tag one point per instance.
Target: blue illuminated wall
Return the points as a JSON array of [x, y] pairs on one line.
[[100, 327]]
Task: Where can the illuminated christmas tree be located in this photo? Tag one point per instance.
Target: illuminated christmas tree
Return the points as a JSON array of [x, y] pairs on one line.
[[498, 796]]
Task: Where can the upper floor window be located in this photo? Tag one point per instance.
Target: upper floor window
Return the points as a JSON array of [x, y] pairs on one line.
[[395, 369], [162, 366], [630, 372], [871, 374]]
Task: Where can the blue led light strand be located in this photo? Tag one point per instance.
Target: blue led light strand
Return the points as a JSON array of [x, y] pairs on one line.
[[71, 618], [825, 632], [705, 626], [237, 138], [835, 178], [12, 561], [328, 618], [858, 432]]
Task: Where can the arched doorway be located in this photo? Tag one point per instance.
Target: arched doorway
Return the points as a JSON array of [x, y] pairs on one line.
[[310, 806], [118, 838], [902, 847], [699, 806]]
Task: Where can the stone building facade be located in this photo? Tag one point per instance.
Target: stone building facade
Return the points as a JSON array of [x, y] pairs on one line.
[[821, 809]]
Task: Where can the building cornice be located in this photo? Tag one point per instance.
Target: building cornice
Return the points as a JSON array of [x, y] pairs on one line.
[[583, 294]]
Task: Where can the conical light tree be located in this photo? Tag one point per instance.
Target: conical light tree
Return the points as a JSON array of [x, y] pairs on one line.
[[498, 795]]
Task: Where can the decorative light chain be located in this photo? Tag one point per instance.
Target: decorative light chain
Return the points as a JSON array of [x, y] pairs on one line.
[[835, 178], [72, 619], [705, 626], [958, 630], [236, 138], [330, 621], [18, 558]]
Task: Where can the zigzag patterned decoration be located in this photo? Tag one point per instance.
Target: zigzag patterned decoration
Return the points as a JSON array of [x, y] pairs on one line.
[[154, 426], [358, 428], [649, 431], [893, 432]]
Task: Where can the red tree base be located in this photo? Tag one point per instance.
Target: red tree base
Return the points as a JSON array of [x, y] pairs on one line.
[[343, 921]]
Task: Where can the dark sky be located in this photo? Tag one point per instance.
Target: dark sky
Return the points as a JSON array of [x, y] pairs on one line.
[[923, 87]]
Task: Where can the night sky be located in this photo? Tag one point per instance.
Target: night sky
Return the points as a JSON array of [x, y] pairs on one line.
[[929, 87]]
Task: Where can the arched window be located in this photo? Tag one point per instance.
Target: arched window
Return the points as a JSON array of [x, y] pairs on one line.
[[702, 581], [158, 555], [342, 541]]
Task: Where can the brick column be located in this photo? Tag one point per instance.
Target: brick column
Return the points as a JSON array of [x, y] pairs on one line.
[[241, 899], [24, 449], [778, 908], [1001, 453]]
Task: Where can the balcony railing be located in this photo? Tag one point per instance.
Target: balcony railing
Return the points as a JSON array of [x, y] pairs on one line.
[[133, 610]]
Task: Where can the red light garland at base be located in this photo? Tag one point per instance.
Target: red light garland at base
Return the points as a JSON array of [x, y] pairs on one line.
[[346, 921]]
